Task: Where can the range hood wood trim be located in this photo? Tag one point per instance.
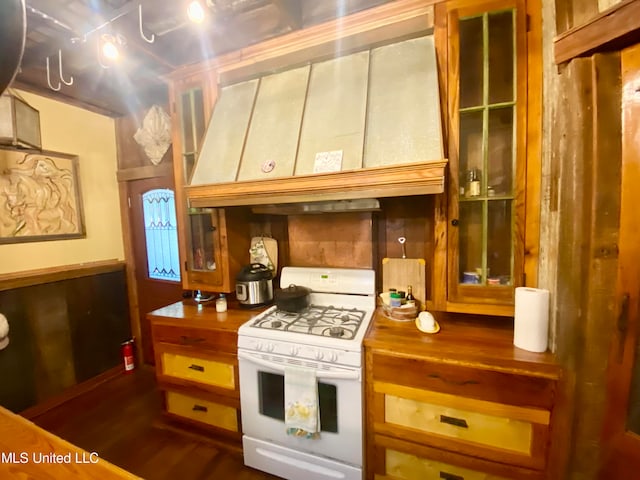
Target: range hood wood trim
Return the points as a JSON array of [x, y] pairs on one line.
[[390, 181], [387, 22]]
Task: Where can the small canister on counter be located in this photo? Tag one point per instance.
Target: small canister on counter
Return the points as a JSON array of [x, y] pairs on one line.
[[395, 299], [128, 357], [221, 303]]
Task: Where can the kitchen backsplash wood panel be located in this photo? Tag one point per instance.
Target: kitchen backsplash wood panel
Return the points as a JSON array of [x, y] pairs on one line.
[[342, 240]]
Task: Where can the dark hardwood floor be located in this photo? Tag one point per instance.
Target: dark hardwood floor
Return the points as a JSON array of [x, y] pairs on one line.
[[121, 421]]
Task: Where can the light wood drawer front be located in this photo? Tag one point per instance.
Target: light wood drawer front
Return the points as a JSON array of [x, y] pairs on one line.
[[480, 428], [404, 466], [210, 372], [222, 416]]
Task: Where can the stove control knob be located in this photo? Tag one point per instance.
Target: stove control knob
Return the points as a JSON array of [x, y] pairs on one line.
[[319, 355], [333, 357], [294, 351], [259, 346], [270, 347]]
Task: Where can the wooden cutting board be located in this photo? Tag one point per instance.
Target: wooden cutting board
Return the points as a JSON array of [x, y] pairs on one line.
[[398, 273]]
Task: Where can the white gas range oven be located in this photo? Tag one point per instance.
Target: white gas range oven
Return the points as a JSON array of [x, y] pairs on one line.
[[325, 340]]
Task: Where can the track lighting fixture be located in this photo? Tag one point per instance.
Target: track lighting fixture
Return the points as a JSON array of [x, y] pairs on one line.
[[109, 49], [196, 11]]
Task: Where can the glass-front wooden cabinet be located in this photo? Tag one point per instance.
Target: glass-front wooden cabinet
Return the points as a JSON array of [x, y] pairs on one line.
[[192, 125], [203, 255], [488, 59], [214, 242]]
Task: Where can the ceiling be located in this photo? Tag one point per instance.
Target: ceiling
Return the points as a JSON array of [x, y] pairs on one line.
[[71, 29]]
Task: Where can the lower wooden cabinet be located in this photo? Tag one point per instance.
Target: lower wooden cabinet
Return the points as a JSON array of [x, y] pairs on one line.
[[402, 460], [435, 411], [197, 367], [204, 411]]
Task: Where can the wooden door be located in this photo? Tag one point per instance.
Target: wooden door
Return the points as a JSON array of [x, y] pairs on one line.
[[621, 435], [152, 292]]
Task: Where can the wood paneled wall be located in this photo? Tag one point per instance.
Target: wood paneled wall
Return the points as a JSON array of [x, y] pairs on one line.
[[586, 155], [65, 327]]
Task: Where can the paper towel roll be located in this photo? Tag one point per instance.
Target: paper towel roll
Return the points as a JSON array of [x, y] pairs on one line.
[[531, 322]]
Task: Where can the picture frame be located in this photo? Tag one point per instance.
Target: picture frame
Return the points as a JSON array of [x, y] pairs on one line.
[[40, 196]]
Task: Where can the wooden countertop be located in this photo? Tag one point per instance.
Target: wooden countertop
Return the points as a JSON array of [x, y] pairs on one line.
[[23, 441], [475, 340], [203, 315]]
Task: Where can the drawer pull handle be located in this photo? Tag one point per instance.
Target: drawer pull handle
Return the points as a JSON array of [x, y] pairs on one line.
[[461, 383], [450, 476], [190, 340], [199, 408], [197, 368], [458, 422]]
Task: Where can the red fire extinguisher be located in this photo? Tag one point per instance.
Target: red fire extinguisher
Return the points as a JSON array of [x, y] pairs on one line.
[[128, 356]]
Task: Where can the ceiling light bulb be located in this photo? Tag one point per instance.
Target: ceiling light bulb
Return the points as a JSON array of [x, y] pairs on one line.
[[195, 12], [110, 50]]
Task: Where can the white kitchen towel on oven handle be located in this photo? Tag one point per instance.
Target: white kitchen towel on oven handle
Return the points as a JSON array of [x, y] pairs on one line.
[[301, 412]]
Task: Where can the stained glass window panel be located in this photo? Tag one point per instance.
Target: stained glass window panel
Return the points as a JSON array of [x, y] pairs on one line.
[[161, 235]]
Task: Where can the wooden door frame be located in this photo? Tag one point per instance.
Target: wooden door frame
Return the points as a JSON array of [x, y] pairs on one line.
[[129, 250], [622, 353]]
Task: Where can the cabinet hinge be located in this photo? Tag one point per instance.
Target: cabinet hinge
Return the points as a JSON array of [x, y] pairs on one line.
[[524, 279], [528, 26]]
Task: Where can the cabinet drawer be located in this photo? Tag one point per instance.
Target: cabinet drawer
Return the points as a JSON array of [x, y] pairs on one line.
[[200, 338], [489, 430], [405, 466], [466, 425], [196, 369], [204, 411], [502, 387]]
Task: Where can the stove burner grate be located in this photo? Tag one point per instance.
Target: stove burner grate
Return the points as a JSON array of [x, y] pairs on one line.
[[321, 320]]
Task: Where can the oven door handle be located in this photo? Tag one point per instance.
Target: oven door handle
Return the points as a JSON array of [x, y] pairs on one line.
[[341, 375]]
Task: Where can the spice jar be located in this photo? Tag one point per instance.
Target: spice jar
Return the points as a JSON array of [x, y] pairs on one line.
[[473, 182], [395, 299], [221, 303]]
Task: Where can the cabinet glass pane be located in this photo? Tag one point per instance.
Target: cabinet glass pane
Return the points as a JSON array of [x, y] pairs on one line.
[[198, 117], [500, 158], [471, 62], [471, 248], [501, 57], [201, 229], [471, 153], [186, 113], [499, 243], [487, 155], [192, 123]]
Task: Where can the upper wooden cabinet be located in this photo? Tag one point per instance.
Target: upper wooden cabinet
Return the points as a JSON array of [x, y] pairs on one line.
[[214, 243], [191, 100], [491, 150]]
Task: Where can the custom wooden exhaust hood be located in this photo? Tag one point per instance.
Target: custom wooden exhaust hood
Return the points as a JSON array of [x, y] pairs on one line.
[[362, 125]]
